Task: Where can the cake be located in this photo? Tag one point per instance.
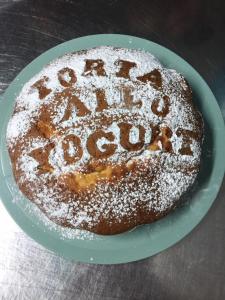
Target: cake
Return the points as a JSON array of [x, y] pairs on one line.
[[105, 139]]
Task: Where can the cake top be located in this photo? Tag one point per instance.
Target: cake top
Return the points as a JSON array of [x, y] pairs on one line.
[[88, 112]]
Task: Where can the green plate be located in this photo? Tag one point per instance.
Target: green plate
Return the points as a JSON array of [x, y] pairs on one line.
[[145, 240]]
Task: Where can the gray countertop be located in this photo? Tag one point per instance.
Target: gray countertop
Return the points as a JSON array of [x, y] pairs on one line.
[[195, 267]]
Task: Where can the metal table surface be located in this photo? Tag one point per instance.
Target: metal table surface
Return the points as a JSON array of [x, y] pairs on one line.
[[195, 267]]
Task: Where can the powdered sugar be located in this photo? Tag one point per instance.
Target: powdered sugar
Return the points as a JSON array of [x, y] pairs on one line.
[[29, 166], [18, 125], [105, 199], [134, 135]]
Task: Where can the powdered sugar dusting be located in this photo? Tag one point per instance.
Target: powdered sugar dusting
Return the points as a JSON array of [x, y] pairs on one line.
[[18, 125], [105, 201]]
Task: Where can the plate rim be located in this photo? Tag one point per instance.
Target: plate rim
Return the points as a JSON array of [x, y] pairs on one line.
[[85, 257]]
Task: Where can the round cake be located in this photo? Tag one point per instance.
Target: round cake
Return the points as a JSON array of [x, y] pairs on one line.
[[105, 139]]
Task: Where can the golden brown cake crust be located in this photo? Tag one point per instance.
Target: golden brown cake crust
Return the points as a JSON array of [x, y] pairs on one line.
[[105, 139]]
